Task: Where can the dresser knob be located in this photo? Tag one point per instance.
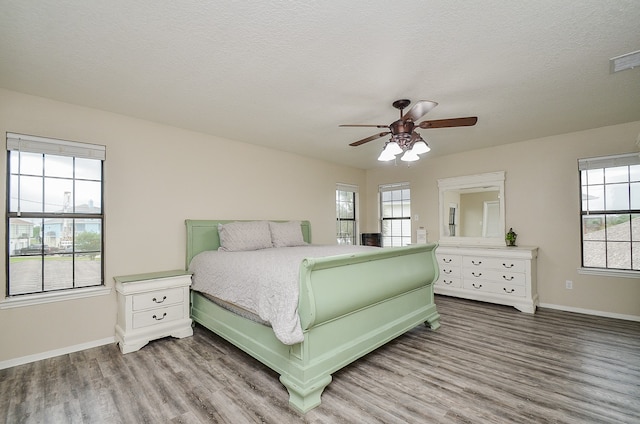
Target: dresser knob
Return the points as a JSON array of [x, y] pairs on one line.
[[161, 318], [476, 287], [160, 301], [508, 291], [476, 275], [446, 261], [476, 263], [508, 278], [447, 282], [507, 266]]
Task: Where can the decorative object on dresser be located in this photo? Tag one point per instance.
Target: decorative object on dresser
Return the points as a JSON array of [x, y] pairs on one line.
[[152, 306], [510, 238], [497, 275]]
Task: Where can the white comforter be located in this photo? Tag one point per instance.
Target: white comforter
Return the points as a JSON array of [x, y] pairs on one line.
[[264, 282]]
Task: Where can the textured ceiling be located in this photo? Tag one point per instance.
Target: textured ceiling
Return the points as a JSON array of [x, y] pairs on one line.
[[285, 74]]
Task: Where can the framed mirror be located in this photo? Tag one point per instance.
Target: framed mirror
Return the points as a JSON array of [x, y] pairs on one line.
[[472, 210]]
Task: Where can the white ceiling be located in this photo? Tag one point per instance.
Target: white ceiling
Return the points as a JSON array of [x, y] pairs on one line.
[[285, 74]]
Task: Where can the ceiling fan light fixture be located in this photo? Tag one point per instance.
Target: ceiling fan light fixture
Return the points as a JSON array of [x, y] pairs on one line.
[[385, 156], [409, 156], [420, 147], [393, 148]]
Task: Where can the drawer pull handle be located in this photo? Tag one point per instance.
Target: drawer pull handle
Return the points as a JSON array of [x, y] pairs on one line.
[[508, 291], [447, 282], [160, 301], [509, 278], [479, 286], [476, 263], [508, 266], [161, 318], [447, 271], [446, 261], [478, 275]]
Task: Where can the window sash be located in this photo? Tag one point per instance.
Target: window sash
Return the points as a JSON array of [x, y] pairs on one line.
[[395, 214], [40, 259], [346, 214], [610, 212]]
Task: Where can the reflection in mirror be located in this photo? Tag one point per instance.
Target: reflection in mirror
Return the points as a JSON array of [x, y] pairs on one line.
[[472, 209]]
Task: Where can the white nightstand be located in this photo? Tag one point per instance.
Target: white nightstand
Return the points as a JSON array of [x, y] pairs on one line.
[[151, 306]]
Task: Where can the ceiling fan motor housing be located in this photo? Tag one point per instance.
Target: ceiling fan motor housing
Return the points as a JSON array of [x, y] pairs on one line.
[[400, 127]]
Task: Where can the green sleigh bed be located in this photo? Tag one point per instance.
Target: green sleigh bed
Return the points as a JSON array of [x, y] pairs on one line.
[[349, 305]]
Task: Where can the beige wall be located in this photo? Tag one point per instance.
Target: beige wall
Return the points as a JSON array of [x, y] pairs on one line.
[[542, 206], [155, 177]]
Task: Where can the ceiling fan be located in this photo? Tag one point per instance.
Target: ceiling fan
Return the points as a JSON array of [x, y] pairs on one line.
[[403, 130]]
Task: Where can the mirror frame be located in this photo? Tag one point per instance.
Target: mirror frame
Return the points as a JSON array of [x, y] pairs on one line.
[[478, 181]]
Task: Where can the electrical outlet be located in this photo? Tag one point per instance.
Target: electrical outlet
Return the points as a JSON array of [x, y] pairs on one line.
[[568, 284]]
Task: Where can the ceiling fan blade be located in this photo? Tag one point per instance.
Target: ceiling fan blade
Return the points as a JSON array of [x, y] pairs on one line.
[[419, 110], [448, 123], [364, 125], [368, 139]]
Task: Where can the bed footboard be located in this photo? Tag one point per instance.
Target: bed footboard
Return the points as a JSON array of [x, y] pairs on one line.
[[352, 305]]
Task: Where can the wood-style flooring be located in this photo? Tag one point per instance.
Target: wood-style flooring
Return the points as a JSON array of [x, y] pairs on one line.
[[486, 364]]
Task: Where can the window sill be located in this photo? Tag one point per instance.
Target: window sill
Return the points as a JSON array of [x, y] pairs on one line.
[[609, 272], [41, 298]]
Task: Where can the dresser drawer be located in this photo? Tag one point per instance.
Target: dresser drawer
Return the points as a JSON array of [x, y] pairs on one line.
[[157, 298], [494, 288], [158, 316], [449, 271], [449, 261], [514, 265], [446, 281], [494, 276]]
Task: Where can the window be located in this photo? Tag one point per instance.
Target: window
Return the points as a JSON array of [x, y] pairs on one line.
[[54, 215], [610, 212], [346, 228], [395, 214]]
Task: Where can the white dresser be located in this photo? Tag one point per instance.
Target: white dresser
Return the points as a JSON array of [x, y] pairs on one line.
[[151, 306], [505, 275]]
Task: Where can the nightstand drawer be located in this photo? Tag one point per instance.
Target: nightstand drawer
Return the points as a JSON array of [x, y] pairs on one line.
[[157, 298], [157, 316]]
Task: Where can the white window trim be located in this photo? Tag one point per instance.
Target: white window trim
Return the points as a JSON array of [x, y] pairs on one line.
[[604, 272], [20, 301], [54, 146]]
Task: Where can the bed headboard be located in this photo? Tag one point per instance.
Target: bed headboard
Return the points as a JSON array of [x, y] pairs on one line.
[[203, 235]]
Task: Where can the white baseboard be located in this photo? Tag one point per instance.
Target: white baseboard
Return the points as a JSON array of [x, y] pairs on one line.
[[591, 312], [57, 352]]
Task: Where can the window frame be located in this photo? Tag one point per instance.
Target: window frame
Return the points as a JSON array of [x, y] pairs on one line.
[[605, 162], [353, 189], [404, 239], [53, 149]]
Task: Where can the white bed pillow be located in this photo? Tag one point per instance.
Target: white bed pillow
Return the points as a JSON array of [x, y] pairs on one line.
[[239, 236], [286, 234]]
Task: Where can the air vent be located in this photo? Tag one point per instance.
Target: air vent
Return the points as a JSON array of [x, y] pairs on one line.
[[626, 61]]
